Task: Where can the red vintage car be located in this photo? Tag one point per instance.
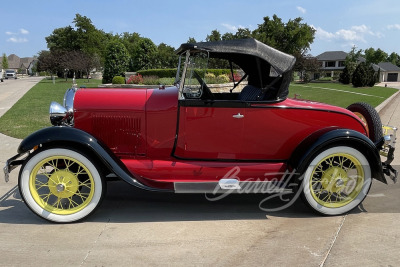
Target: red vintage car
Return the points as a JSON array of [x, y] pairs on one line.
[[191, 138]]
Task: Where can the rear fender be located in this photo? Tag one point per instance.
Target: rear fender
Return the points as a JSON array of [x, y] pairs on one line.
[[326, 138], [67, 136]]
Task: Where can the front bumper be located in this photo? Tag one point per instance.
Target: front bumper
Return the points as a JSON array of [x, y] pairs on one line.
[[13, 163], [387, 151]]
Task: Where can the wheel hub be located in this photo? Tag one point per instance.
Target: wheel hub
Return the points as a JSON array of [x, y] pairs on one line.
[[334, 179], [63, 184]]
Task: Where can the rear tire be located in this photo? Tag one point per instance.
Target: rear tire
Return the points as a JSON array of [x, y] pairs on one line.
[[336, 181], [370, 119]]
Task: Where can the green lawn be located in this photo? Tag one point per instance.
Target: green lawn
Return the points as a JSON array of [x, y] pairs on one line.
[[31, 112], [339, 94]]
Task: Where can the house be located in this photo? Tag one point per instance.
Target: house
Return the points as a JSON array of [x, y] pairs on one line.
[[21, 65], [388, 72], [331, 62]]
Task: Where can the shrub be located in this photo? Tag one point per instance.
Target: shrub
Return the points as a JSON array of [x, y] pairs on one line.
[[135, 79], [161, 73], [151, 80], [223, 78], [209, 76], [118, 80]]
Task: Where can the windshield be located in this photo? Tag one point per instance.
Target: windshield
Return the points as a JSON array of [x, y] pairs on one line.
[[192, 83]]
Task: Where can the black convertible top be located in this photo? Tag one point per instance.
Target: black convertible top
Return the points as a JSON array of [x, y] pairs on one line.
[[280, 61]]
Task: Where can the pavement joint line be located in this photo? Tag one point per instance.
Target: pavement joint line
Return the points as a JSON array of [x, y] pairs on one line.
[[95, 242], [333, 242]]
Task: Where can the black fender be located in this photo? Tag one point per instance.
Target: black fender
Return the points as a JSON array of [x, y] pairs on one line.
[[67, 136], [329, 137]]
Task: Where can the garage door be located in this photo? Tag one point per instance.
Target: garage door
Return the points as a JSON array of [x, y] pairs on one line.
[[392, 77]]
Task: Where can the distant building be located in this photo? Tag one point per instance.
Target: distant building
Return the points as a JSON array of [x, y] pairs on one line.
[[21, 65], [388, 72], [332, 61]]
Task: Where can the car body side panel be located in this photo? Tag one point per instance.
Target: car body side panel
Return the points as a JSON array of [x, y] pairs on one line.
[[114, 116], [161, 120], [273, 132], [204, 171]]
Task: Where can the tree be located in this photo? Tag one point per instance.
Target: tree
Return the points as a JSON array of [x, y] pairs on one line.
[[364, 75], [351, 62], [394, 58], [293, 37], [345, 76], [306, 64], [4, 62], [214, 36], [116, 61], [166, 56], [144, 55], [191, 40], [50, 61], [375, 56], [243, 33]]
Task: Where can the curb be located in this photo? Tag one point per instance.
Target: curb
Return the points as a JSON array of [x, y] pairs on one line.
[[387, 101]]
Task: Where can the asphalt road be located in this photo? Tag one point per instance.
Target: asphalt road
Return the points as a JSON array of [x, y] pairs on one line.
[[138, 228]]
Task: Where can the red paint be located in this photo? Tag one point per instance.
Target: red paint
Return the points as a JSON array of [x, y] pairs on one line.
[[140, 125]]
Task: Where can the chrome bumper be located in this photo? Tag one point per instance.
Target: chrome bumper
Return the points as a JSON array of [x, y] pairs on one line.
[[388, 147]]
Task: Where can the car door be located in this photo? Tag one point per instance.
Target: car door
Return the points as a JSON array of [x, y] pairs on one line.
[[210, 130]]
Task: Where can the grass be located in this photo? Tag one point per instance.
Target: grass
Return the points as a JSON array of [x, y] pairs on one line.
[[339, 94], [31, 112]]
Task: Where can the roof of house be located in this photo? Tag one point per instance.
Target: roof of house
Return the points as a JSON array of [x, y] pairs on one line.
[[15, 62], [332, 56], [387, 66]]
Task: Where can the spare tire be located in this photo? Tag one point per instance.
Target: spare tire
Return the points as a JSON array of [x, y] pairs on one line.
[[370, 118]]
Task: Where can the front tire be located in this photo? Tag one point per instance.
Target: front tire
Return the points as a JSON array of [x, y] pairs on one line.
[[61, 185], [336, 181]]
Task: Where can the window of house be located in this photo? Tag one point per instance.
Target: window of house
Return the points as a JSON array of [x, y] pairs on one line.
[[341, 64], [329, 64]]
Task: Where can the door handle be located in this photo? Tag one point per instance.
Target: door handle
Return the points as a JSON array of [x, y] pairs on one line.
[[238, 116]]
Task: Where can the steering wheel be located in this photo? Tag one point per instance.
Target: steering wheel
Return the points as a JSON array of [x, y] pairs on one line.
[[206, 92]]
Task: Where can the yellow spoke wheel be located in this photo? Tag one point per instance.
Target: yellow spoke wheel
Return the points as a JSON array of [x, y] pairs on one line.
[[337, 180], [61, 185]]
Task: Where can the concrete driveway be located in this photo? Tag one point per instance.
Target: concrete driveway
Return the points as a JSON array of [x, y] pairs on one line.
[[138, 228]]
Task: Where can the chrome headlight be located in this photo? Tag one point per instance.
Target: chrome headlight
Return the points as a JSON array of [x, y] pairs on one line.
[[57, 113], [69, 99]]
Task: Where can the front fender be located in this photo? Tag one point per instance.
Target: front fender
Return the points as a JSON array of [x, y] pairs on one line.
[[329, 137], [60, 135]]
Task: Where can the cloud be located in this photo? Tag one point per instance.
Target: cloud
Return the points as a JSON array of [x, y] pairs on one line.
[[17, 40], [230, 27], [355, 33], [301, 9], [10, 33], [23, 31], [233, 28], [394, 27]]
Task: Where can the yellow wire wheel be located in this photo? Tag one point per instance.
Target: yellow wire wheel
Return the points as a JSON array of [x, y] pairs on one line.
[[337, 180], [61, 185]]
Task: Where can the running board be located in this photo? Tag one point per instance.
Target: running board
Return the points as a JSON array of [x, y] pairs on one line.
[[234, 187]]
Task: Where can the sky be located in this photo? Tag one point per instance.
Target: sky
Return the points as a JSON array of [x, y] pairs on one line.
[[339, 24]]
